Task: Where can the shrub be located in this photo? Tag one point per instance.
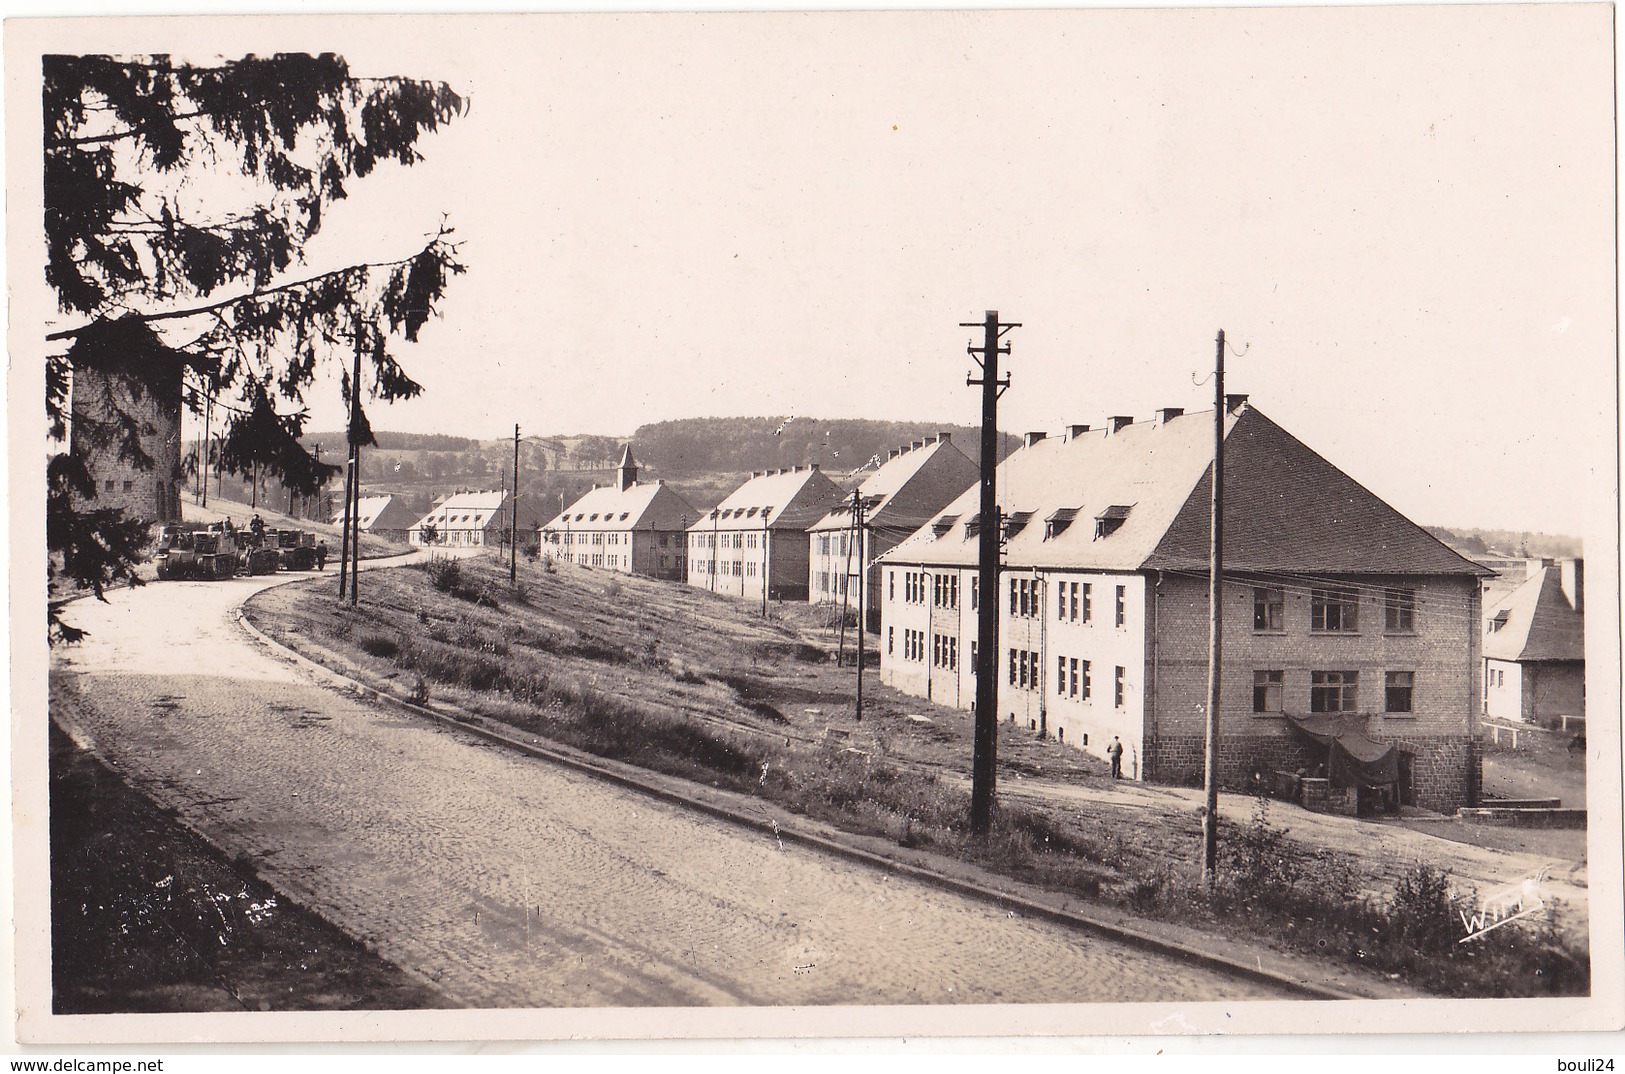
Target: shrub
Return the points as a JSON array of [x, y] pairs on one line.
[[420, 690], [380, 645], [445, 575], [1423, 910]]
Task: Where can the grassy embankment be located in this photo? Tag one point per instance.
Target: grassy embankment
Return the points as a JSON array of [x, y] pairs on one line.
[[684, 682]]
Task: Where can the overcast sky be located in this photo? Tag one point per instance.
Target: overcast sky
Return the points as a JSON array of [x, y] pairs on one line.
[[1403, 217]]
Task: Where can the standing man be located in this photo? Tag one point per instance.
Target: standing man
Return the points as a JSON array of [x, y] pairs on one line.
[[1115, 752], [321, 555]]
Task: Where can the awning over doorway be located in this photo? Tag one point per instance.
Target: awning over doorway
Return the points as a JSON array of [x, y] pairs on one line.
[[1355, 759]]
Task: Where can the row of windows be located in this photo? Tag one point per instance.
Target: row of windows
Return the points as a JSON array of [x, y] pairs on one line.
[[732, 568], [1024, 669], [945, 651], [943, 588], [1073, 601], [913, 644], [832, 583], [725, 540], [1334, 691], [829, 545], [1335, 611]]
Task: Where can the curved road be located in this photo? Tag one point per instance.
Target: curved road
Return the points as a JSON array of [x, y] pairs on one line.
[[512, 882]]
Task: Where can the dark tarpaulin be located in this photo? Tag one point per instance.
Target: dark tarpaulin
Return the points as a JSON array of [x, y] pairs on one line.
[[1356, 760]]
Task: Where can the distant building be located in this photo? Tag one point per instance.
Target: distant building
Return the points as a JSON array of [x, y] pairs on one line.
[[100, 403], [758, 536], [385, 516], [630, 526], [908, 489], [466, 519], [1534, 645], [1351, 635]]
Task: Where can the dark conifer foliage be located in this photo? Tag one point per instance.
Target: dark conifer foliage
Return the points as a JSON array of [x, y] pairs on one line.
[[179, 200]]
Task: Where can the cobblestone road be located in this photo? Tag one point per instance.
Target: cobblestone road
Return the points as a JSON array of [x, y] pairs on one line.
[[512, 882]]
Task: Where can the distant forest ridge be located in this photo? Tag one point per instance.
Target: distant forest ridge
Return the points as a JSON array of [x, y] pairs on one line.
[[689, 445], [1523, 543]]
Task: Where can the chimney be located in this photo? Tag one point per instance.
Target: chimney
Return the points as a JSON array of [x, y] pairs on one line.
[[1032, 438], [945, 438], [1233, 403], [1168, 413], [1075, 431], [1572, 576], [1119, 422], [813, 466]]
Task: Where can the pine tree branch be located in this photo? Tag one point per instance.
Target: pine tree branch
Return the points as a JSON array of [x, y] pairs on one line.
[[103, 139], [211, 307]]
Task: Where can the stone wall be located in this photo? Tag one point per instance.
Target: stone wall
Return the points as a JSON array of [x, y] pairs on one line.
[[1445, 769]]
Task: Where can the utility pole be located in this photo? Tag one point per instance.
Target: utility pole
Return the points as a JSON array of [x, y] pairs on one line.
[[857, 525], [353, 511], [513, 530], [1210, 816], [985, 755], [204, 445], [846, 580]]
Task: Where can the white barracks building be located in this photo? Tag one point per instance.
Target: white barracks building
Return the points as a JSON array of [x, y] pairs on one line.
[[1350, 634]]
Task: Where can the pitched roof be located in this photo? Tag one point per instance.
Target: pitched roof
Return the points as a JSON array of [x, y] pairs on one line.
[[642, 506], [1538, 622], [1148, 486], [782, 499], [907, 490], [381, 512], [466, 510]]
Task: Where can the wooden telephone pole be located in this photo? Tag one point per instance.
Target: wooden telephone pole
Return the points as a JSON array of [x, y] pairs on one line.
[[1210, 774], [513, 529], [985, 756]]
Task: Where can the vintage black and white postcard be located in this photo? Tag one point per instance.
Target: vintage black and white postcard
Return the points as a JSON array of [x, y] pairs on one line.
[[814, 523]]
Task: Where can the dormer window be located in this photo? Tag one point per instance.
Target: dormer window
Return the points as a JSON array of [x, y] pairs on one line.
[[942, 525], [1499, 620], [1015, 522], [1111, 520], [1056, 524], [973, 526]]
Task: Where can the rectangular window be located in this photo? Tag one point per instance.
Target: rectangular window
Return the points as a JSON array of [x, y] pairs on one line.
[[1267, 691], [1013, 604], [1334, 691], [1088, 594], [1399, 611], [1122, 605], [1012, 667], [891, 585], [1060, 601], [1122, 687], [891, 640], [1073, 611], [1269, 611], [1334, 611], [953, 586], [1398, 687], [975, 592], [1025, 671], [953, 653], [1060, 676], [1072, 688], [1083, 680]]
